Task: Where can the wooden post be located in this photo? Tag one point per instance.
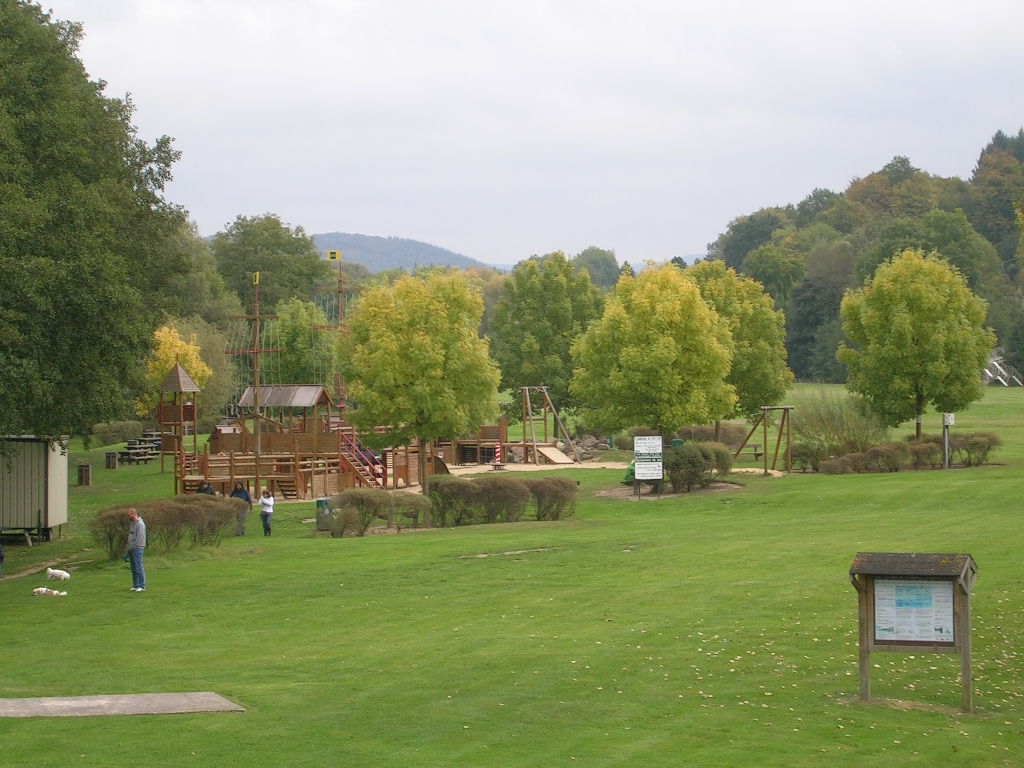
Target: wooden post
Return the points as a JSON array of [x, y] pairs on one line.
[[865, 607]]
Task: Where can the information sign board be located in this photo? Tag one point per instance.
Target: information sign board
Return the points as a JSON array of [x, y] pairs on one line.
[[914, 610], [647, 457]]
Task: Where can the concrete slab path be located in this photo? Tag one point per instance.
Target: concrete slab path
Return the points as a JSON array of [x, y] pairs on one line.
[[127, 704]]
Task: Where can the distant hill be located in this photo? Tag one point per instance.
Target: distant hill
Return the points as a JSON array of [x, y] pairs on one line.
[[380, 253]]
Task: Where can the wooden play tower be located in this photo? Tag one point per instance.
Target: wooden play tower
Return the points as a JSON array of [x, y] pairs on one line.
[[176, 414]]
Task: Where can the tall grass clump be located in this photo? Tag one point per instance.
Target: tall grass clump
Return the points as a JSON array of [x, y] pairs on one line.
[[827, 424]]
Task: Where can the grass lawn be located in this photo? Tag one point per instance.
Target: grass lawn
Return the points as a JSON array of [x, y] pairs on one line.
[[712, 629]]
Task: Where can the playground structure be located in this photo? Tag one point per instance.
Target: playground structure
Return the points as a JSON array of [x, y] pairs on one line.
[[998, 371], [295, 441]]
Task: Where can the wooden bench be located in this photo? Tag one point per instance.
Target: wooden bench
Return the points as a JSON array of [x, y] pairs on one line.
[[750, 450], [497, 465]]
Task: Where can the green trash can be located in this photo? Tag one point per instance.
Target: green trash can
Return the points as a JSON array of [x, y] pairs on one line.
[[324, 514]]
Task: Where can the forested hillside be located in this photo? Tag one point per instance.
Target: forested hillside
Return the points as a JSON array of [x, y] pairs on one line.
[[808, 254], [381, 253]]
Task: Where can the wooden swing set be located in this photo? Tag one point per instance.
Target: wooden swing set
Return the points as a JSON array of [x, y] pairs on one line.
[[764, 422]]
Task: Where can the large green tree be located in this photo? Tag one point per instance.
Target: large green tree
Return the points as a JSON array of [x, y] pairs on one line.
[[778, 268], [997, 182], [916, 337], [413, 361], [84, 235], [199, 290], [547, 304], [745, 233], [307, 346], [286, 258], [600, 264], [759, 373], [658, 357]]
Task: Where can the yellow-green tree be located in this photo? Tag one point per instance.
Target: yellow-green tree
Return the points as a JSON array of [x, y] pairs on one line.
[[759, 372], [168, 349], [658, 357], [915, 336], [413, 360]]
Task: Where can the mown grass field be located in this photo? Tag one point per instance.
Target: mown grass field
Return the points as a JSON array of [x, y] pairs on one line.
[[713, 629]]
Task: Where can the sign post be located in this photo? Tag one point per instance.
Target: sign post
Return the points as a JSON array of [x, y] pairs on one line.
[[647, 459], [948, 420]]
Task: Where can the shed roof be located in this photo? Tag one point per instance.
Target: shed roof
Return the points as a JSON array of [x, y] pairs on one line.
[[291, 396], [178, 380], [911, 564]]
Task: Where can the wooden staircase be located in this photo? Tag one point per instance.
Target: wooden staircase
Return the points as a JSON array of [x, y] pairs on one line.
[[286, 489], [368, 469]]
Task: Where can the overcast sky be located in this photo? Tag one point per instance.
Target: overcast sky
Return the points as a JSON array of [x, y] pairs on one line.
[[500, 130]]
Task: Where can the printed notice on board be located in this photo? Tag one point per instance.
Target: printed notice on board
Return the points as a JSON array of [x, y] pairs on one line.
[[647, 457], [914, 610]]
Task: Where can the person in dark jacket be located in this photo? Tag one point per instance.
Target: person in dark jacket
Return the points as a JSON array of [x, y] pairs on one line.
[[242, 493]]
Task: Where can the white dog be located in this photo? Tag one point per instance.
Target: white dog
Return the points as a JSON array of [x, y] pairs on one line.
[[58, 574], [46, 591]]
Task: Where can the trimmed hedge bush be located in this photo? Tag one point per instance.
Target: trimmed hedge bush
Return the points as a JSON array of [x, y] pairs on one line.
[[696, 464], [114, 432], [452, 500], [501, 499], [554, 497], [205, 520], [357, 509], [972, 450], [491, 499]]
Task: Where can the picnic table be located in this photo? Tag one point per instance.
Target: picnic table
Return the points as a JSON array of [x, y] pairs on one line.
[[137, 452]]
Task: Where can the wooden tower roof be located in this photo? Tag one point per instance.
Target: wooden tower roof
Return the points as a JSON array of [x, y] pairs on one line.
[[178, 380]]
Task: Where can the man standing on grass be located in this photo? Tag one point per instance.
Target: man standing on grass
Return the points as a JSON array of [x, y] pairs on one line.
[[136, 546]]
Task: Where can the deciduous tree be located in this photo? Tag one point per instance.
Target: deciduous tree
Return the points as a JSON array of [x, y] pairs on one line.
[[916, 337], [286, 258], [745, 233], [600, 264], [547, 304], [84, 230], [777, 268], [307, 348], [169, 349], [657, 358], [759, 373], [413, 361]]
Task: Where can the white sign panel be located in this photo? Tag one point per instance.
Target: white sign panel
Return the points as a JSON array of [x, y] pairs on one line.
[[647, 459], [914, 610]]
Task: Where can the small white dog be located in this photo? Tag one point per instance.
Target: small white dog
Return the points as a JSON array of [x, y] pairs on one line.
[[58, 574], [47, 591]]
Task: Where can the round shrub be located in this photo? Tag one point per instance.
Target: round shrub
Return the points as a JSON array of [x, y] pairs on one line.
[[356, 510], [502, 499], [554, 497]]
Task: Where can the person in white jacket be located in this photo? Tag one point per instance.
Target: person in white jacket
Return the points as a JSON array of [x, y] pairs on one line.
[[266, 510]]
